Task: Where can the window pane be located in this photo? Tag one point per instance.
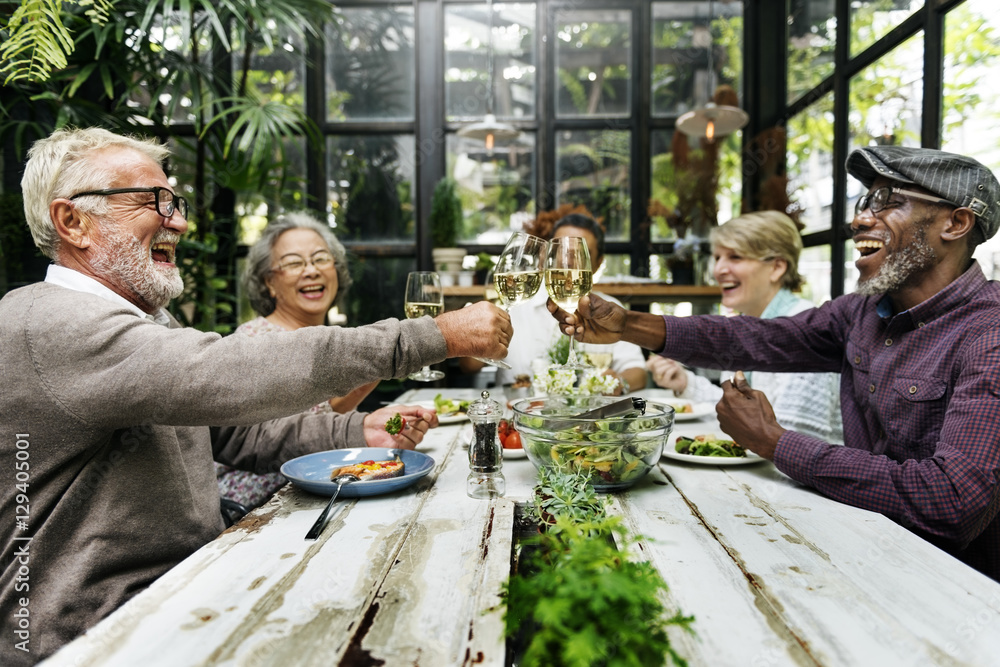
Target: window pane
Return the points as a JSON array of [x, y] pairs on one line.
[[276, 73], [682, 35], [850, 271], [174, 87], [593, 170], [814, 267], [370, 64], [467, 61], [812, 36], [284, 191], [971, 124], [370, 187], [379, 288], [496, 187], [871, 20], [886, 101], [810, 164], [694, 186], [593, 54]]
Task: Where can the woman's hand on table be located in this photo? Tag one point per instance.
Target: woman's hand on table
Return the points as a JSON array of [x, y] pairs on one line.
[[418, 421], [746, 416], [667, 373]]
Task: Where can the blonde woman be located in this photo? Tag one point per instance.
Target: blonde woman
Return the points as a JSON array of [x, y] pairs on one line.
[[756, 265]]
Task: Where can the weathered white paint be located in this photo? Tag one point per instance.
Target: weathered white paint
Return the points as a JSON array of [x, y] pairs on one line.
[[773, 573]]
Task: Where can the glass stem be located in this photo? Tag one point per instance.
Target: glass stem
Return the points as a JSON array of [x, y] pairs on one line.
[[571, 358]]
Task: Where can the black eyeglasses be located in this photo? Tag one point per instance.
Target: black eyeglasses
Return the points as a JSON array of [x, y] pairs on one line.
[[878, 199], [166, 201]]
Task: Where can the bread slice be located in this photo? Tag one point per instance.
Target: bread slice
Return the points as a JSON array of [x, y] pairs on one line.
[[371, 470]]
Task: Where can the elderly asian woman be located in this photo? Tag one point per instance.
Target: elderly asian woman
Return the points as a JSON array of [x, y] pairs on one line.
[[294, 274], [756, 265]]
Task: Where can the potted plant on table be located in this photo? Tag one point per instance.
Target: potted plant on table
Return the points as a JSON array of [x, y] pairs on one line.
[[445, 222]]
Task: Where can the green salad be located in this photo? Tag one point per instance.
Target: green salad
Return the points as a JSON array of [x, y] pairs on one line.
[[610, 451], [708, 445], [447, 406]]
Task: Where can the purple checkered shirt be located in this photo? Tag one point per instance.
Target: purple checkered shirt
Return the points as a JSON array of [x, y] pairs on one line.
[[920, 396]]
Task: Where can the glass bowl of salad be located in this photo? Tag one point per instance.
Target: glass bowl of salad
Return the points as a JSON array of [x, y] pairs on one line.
[[615, 452]]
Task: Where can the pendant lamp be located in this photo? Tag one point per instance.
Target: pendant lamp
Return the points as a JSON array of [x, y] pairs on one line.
[[489, 129], [717, 118]]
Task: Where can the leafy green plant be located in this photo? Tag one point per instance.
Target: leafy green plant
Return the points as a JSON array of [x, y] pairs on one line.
[[585, 603], [564, 494], [558, 353], [446, 214]]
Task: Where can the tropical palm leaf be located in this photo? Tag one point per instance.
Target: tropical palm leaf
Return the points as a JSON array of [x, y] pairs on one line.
[[256, 127], [38, 41]]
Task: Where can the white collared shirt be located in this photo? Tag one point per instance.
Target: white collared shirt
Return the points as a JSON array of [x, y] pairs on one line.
[[74, 280]]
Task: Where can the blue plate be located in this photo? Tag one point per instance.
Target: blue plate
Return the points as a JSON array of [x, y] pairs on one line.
[[312, 471]]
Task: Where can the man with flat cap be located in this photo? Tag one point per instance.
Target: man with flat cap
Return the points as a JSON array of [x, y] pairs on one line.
[[917, 346]]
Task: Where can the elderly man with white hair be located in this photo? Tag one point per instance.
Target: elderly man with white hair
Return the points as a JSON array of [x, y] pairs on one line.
[[106, 450]]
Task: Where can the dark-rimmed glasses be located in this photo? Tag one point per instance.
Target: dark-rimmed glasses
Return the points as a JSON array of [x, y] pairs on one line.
[[165, 205], [878, 199], [295, 264]]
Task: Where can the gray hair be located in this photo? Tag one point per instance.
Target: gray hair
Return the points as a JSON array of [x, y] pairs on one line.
[[258, 266], [764, 235], [69, 161]]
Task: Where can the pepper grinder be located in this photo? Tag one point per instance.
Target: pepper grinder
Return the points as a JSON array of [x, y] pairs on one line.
[[485, 456]]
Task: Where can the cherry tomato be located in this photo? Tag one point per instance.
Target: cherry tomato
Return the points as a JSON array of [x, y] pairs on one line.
[[513, 441]]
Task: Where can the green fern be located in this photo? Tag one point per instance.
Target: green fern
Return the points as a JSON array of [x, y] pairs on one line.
[[38, 41]]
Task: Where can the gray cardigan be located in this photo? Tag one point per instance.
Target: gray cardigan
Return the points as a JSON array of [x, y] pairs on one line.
[[113, 412]]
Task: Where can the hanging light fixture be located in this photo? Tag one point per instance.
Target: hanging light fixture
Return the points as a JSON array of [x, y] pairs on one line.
[[489, 130], [713, 120]]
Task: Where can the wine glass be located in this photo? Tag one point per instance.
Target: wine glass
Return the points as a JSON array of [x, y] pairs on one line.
[[424, 296], [568, 278], [517, 274]]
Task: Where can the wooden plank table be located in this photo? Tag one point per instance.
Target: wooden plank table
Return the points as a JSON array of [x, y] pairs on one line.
[[773, 573]]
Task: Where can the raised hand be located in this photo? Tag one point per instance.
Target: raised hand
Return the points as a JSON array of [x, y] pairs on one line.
[[479, 330]]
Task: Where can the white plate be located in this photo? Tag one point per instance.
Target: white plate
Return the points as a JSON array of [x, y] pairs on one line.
[[670, 453], [452, 418], [698, 410]]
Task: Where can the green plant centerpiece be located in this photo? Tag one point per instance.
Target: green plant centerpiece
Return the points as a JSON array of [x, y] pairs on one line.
[[445, 224], [579, 600]]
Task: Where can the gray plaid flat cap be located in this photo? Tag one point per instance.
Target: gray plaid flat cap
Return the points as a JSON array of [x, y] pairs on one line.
[[957, 178]]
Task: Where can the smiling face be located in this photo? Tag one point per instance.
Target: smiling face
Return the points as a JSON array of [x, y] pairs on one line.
[[303, 298], [133, 248], [748, 285], [894, 244]]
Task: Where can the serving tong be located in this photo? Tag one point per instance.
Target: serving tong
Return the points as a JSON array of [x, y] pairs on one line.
[[627, 407]]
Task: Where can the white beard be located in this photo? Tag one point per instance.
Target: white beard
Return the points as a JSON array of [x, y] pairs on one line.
[[122, 260], [900, 267]]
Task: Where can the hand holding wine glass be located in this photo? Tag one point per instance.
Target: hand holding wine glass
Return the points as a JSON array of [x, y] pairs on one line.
[[568, 278], [517, 274], [424, 296]]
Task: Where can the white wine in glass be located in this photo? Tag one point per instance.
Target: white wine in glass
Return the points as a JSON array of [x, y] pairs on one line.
[[424, 296], [568, 278], [517, 275]]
